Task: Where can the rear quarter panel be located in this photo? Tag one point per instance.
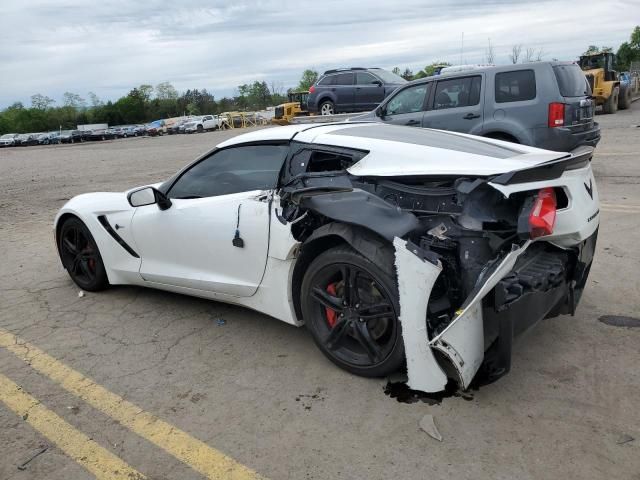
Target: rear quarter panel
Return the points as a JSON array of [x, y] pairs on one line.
[[580, 219]]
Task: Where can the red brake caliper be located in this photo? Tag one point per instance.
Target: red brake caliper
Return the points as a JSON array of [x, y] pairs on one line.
[[332, 316]]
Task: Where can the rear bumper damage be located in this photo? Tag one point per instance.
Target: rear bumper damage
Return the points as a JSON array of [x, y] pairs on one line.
[[535, 280]]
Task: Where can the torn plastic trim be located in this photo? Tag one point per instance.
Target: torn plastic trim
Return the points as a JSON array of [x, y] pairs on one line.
[[416, 278], [462, 341], [364, 209]]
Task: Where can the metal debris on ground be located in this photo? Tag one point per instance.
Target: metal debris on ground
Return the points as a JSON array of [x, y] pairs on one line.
[[23, 465], [624, 438], [429, 427]]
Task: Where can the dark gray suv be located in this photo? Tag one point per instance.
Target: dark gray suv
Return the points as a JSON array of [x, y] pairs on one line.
[[542, 104], [351, 90]]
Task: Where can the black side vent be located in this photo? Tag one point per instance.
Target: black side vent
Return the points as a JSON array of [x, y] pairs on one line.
[[103, 221]]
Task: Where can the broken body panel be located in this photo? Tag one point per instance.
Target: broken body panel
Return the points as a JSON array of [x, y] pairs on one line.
[[457, 239]]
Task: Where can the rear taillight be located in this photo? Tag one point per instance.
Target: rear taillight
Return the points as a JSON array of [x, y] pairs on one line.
[[543, 213], [556, 114], [312, 89]]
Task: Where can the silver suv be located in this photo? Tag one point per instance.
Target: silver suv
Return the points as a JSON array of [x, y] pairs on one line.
[[542, 104]]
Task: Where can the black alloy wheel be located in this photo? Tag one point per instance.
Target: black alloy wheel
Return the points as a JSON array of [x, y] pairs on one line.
[[80, 256], [350, 306]]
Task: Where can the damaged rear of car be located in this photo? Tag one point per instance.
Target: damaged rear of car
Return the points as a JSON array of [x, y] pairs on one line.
[[432, 248]]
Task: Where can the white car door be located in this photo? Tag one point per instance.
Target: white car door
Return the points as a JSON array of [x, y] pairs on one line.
[[191, 244]]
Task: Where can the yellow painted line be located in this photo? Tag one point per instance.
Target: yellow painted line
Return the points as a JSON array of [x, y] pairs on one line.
[[103, 464], [198, 455]]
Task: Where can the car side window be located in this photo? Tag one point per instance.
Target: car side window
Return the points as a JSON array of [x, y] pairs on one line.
[[344, 79], [232, 170], [408, 100], [457, 92], [364, 78], [515, 86]]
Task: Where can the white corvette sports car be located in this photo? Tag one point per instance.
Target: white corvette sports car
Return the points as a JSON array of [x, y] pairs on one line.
[[392, 244]]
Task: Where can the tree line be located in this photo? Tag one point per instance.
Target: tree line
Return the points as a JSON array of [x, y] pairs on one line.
[[141, 105]]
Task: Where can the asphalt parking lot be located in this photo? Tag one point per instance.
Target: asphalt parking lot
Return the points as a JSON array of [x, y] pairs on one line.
[[139, 383]]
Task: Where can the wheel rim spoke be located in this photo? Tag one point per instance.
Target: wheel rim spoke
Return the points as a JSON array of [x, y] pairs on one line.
[[76, 265], [326, 300], [350, 295], [363, 337], [84, 267], [337, 334], [378, 310], [70, 247], [76, 238]]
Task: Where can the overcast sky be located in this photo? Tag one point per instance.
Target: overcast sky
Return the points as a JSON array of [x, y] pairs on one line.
[[108, 47]]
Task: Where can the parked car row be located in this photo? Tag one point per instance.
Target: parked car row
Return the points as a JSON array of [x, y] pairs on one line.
[[156, 128], [541, 104]]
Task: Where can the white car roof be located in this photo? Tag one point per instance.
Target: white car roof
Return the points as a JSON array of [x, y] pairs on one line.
[[397, 150]]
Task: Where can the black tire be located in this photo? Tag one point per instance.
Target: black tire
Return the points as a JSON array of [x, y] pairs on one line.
[[624, 101], [327, 108], [80, 256], [611, 105], [200, 128], [370, 347]]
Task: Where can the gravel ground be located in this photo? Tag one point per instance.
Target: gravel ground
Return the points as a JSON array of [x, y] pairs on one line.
[[259, 390]]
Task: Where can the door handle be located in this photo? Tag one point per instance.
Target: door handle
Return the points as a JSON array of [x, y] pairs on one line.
[[471, 116], [412, 122]]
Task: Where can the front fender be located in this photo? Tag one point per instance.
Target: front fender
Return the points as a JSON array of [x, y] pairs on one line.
[[120, 265]]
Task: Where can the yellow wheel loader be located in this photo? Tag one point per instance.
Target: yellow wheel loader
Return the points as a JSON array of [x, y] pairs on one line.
[[605, 82], [295, 107]]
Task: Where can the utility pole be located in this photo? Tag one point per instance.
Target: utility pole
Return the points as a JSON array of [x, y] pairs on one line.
[[461, 48]]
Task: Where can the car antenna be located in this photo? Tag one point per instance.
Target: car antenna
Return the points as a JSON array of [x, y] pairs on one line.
[[237, 240]]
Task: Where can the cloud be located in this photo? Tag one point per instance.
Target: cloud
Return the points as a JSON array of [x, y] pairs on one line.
[[109, 47]]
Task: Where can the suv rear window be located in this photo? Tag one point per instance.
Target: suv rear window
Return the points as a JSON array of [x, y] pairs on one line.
[[571, 81], [515, 86]]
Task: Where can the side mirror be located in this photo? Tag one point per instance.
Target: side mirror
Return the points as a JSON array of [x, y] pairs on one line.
[[148, 196], [381, 111], [377, 82]]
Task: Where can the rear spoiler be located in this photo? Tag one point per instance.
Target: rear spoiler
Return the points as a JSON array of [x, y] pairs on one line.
[[578, 158]]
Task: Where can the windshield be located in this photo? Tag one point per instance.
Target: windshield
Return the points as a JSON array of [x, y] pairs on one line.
[[388, 77], [7, 135], [571, 81]]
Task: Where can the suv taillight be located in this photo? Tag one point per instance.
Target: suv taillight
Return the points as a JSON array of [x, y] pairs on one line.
[[542, 218], [312, 89], [556, 114]]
